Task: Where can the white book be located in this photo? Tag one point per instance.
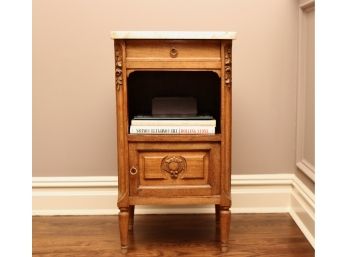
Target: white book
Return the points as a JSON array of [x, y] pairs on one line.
[[172, 129], [173, 122]]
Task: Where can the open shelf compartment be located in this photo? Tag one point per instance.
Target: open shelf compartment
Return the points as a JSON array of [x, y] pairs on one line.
[[204, 86]]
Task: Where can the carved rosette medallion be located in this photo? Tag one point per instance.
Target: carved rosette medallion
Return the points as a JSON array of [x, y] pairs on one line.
[[174, 165], [118, 66], [228, 64]]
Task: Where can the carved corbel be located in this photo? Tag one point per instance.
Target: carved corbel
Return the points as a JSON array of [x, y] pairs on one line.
[[228, 65], [118, 65]]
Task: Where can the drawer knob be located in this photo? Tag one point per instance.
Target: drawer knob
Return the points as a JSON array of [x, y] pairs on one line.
[[133, 171], [173, 52]]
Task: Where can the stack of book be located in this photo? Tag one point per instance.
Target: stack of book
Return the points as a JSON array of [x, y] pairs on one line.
[[173, 115], [173, 125]]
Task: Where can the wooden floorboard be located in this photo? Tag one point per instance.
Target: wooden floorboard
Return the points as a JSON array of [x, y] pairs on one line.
[[252, 235]]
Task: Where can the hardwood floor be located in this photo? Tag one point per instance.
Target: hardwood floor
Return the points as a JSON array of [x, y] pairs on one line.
[[257, 235]]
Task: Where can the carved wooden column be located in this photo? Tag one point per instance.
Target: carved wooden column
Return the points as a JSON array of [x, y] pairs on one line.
[[123, 194], [225, 214]]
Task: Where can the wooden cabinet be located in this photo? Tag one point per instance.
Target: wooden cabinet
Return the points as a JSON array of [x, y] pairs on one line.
[[173, 169]]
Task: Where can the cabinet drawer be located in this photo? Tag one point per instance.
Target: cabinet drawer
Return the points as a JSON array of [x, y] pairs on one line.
[[159, 52], [169, 169]]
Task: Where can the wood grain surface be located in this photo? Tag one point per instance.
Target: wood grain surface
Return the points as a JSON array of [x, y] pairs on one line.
[[252, 235]]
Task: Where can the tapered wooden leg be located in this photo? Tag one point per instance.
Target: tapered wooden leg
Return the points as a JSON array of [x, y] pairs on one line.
[[131, 217], [123, 219], [225, 221], [217, 220], [217, 213]]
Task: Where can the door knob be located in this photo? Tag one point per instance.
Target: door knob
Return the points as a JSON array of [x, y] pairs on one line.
[[133, 171]]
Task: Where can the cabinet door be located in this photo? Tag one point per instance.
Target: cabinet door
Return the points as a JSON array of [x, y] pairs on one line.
[[174, 169]]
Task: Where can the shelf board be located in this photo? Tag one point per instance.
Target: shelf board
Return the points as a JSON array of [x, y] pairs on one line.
[[172, 138]]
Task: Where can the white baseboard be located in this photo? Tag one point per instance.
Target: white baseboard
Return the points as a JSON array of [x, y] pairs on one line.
[[74, 195], [263, 193], [302, 209], [98, 195], [259, 193]]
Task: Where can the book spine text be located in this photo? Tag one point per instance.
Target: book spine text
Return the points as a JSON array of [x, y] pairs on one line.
[[172, 129]]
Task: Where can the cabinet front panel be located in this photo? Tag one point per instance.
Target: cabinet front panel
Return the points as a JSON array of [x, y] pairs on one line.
[[167, 169], [174, 167]]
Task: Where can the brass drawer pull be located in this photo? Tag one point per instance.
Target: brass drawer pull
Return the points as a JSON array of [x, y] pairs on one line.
[[133, 171], [173, 52]]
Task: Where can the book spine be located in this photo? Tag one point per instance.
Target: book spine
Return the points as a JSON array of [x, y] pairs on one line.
[[172, 129], [173, 122]]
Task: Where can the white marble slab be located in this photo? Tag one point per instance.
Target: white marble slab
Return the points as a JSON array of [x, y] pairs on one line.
[[172, 35]]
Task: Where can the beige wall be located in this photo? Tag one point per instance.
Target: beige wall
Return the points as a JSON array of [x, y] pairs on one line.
[[73, 87]]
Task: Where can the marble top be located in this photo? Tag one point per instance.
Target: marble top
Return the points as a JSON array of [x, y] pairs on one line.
[[173, 35]]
